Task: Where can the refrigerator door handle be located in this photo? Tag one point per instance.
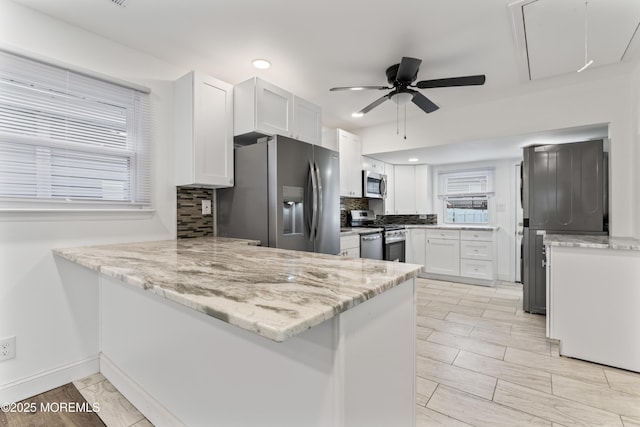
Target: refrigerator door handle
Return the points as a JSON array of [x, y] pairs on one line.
[[314, 202], [319, 212]]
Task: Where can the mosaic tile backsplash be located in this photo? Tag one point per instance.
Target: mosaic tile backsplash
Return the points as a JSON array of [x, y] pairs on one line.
[[191, 222], [348, 204], [408, 219]]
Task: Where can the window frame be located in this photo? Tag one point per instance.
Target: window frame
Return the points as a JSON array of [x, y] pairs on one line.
[[484, 177], [137, 157]]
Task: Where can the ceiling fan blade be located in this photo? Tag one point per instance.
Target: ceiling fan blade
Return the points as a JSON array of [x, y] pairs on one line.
[[423, 102], [360, 88], [408, 69], [452, 81], [373, 105]]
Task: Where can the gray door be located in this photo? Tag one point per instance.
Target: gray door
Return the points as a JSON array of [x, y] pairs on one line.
[[534, 275], [288, 176], [327, 164], [565, 186]]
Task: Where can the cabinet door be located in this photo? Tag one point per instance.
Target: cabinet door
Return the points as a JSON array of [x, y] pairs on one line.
[[307, 119], [443, 257], [274, 109], [389, 201], [564, 184], [416, 250], [204, 131], [350, 164], [422, 185], [405, 194], [374, 165]]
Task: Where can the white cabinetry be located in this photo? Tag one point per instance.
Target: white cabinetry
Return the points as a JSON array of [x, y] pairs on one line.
[[374, 165], [477, 255], [390, 200], [405, 202], [350, 164], [307, 121], [203, 131], [443, 252], [412, 195], [415, 246], [350, 246], [262, 108]]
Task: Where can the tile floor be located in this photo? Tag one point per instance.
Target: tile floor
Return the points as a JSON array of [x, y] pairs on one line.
[[115, 409], [481, 361]]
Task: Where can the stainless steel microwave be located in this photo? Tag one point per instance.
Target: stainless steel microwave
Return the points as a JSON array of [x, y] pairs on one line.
[[374, 185]]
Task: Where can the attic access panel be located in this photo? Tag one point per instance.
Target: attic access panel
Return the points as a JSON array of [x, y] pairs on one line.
[[550, 33]]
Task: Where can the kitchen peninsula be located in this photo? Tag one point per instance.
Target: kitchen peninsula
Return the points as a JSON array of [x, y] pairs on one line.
[[592, 298], [216, 331]]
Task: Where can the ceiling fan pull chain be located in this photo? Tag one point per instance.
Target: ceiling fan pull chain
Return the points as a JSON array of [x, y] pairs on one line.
[[405, 121], [397, 119]]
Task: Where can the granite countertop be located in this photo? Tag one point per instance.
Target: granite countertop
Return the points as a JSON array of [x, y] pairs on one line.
[[596, 242], [455, 227], [276, 293]]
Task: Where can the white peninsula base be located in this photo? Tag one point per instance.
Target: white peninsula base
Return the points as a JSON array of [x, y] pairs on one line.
[[182, 367], [592, 304]]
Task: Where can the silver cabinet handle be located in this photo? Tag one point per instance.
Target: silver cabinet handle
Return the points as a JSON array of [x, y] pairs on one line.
[[368, 238]]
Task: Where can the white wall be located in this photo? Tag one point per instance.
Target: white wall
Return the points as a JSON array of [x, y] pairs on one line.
[[501, 207], [54, 324], [569, 101]]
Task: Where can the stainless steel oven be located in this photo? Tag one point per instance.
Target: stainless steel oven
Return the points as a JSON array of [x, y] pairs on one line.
[[395, 240], [374, 185]]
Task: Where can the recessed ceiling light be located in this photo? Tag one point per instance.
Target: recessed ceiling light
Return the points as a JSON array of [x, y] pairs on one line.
[[261, 64], [414, 159], [356, 115]]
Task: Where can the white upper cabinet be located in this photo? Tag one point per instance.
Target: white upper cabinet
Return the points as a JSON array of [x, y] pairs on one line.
[[374, 165], [350, 147], [203, 131], [412, 189], [262, 108], [405, 189], [390, 200], [307, 121]]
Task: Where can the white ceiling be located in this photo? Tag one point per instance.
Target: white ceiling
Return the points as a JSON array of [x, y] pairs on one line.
[[318, 44], [491, 149]]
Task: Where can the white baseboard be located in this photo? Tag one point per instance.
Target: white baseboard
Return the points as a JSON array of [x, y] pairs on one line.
[[143, 401], [45, 381]]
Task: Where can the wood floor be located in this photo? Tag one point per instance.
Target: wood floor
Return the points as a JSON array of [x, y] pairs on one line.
[[482, 361]]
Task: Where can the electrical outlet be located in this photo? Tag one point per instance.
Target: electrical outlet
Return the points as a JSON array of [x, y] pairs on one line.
[[206, 207], [7, 348]]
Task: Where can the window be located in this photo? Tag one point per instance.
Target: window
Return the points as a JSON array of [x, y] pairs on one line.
[[466, 196], [69, 140]]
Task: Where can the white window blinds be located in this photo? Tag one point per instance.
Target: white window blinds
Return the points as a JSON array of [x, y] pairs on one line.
[[466, 183], [70, 139]]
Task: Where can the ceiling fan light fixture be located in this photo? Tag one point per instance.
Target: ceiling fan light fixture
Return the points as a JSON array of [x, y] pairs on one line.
[[401, 98], [261, 64]]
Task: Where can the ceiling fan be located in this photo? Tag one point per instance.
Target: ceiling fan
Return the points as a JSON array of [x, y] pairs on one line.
[[401, 76]]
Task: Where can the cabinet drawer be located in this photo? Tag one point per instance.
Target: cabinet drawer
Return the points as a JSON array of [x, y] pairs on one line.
[[484, 236], [476, 250], [477, 269], [443, 234], [348, 242]]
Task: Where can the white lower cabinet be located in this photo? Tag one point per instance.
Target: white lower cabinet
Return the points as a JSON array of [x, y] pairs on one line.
[[466, 254], [476, 269], [415, 246], [477, 254], [350, 246], [443, 256]]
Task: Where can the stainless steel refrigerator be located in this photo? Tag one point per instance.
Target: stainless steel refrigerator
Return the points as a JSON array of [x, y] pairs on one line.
[[564, 191], [286, 194]]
